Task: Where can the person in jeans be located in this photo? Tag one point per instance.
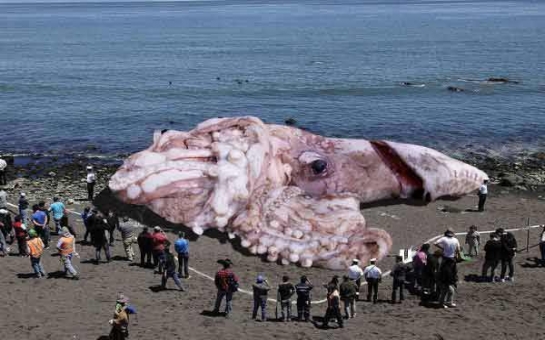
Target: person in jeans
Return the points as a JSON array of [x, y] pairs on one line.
[[303, 289], [182, 248], [227, 284], [170, 271], [160, 242], [398, 273], [261, 290], [85, 216], [508, 252], [373, 275], [67, 249], [285, 292], [483, 193], [21, 235], [57, 209], [348, 291], [448, 273], [39, 220], [492, 257], [35, 248], [355, 273]]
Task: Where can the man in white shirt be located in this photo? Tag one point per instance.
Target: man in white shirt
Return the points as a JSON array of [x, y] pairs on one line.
[[90, 179], [372, 275], [355, 273], [448, 274], [483, 192], [3, 165]]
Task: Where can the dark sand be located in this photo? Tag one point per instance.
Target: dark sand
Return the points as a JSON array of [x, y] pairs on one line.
[[58, 308]]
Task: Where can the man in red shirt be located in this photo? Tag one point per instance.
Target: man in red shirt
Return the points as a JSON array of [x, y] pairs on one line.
[[160, 241], [227, 283]]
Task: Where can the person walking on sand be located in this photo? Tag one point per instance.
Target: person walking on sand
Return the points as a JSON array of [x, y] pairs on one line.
[[333, 306], [85, 216], [57, 209], [373, 276], [112, 221], [303, 290], [3, 166], [448, 273], [348, 290], [355, 273], [483, 193], [145, 243], [67, 250], [35, 248], [260, 292], [160, 242], [170, 271], [182, 248], [90, 179], [120, 321], [473, 241], [23, 206], [21, 235], [227, 284], [98, 235], [398, 273], [46, 229], [492, 257], [285, 292], [508, 253], [39, 220], [126, 228]]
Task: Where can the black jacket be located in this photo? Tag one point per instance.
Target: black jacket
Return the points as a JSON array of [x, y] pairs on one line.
[[303, 290], [509, 243], [348, 289], [493, 249], [286, 290]]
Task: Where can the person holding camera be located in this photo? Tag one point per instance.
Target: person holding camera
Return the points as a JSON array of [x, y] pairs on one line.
[[261, 290], [303, 290]]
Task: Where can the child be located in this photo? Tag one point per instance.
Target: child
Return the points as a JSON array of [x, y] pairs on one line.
[[285, 292], [473, 240], [261, 289]]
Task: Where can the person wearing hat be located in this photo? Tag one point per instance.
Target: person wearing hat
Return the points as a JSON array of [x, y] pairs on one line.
[[448, 273], [355, 273], [303, 290], [170, 271], [333, 303], [261, 290], [160, 241], [285, 291], [35, 248], [21, 235], [373, 275], [508, 253], [182, 248], [3, 166], [227, 284], [23, 206], [145, 243], [348, 290], [120, 321], [126, 229], [398, 273], [67, 249], [90, 179]]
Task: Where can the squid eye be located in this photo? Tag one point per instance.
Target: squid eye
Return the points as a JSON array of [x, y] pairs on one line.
[[318, 166]]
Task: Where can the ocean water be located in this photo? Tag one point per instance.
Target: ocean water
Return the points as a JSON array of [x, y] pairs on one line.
[[101, 77]]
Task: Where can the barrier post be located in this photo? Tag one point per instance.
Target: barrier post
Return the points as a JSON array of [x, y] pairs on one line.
[[528, 235]]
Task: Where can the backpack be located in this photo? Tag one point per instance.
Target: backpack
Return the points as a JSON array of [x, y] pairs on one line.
[[232, 283]]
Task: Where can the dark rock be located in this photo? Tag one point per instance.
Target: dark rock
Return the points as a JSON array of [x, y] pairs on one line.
[[455, 89], [510, 180], [290, 121]]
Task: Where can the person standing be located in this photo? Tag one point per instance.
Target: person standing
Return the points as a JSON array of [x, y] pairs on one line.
[[6, 225], [39, 220], [348, 290], [355, 273], [46, 229], [285, 292], [170, 271], [261, 290], [67, 249], [120, 322], [333, 306], [85, 216], [303, 290], [3, 166], [20, 235], [398, 274], [126, 228], [57, 209], [145, 243], [112, 221], [542, 244], [419, 263], [98, 235], [35, 248], [160, 241], [3, 199], [90, 179], [492, 249], [448, 273], [23, 206], [508, 253], [483, 193], [227, 284], [373, 275], [182, 248], [473, 240]]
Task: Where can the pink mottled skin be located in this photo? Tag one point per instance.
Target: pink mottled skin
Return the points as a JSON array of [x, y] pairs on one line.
[[290, 195]]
